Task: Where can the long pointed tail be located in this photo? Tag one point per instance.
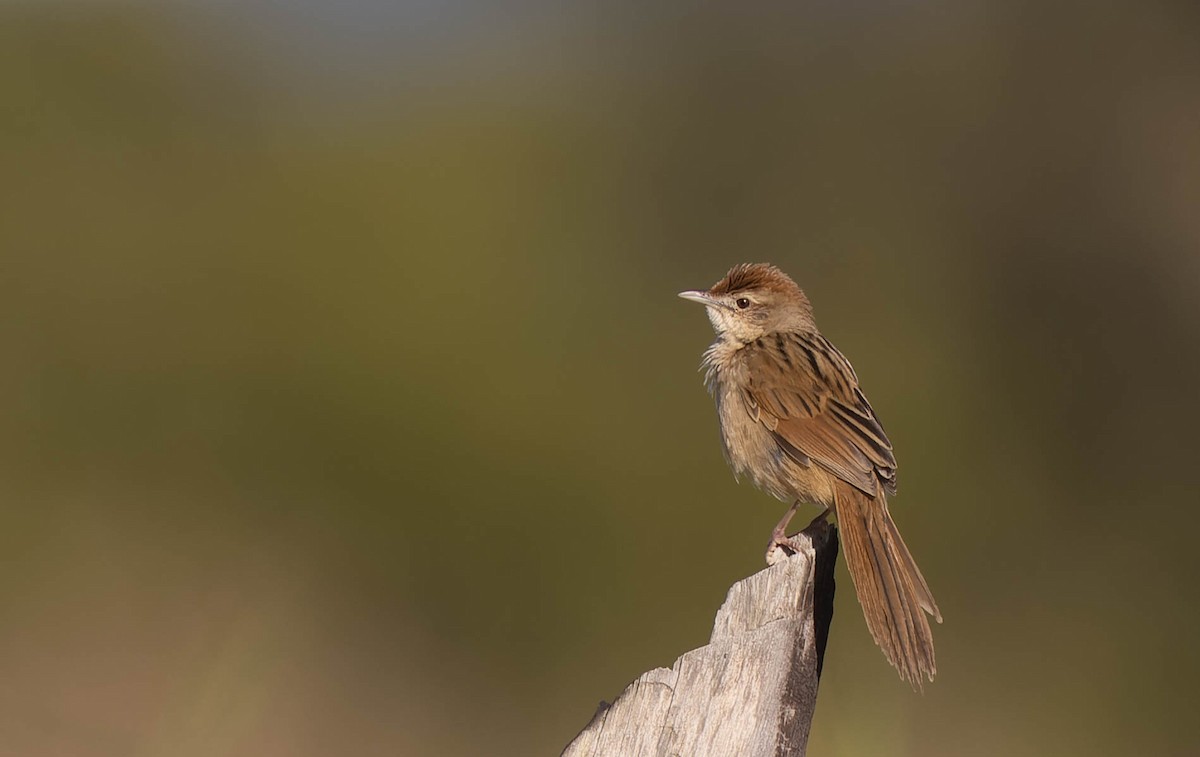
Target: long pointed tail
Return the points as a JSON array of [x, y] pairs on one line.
[[891, 589]]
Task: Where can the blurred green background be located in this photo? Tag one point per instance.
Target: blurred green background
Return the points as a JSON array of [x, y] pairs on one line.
[[347, 406]]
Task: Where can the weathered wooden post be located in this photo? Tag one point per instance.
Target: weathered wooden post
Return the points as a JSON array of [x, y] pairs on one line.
[[752, 690]]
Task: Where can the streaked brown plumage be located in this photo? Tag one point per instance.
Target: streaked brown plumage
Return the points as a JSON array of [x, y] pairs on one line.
[[794, 420]]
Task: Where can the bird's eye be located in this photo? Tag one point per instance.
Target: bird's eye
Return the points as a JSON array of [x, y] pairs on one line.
[[743, 303]]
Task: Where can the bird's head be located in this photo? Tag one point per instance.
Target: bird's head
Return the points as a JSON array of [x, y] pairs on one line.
[[754, 299]]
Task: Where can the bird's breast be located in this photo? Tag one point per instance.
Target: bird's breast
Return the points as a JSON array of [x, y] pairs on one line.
[[750, 447]]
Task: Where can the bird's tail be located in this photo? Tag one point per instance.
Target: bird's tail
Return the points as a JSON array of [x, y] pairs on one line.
[[891, 589]]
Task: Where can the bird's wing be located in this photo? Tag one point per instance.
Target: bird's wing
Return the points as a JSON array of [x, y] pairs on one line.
[[806, 393]]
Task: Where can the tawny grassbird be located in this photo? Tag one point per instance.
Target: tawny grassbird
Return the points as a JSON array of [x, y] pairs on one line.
[[795, 421]]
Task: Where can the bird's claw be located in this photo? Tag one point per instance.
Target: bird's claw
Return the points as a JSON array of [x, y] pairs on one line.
[[779, 547]]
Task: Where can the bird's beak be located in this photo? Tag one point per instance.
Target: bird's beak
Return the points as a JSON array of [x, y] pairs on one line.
[[704, 298]]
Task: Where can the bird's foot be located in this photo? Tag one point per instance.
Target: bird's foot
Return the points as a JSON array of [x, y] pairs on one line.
[[780, 546]]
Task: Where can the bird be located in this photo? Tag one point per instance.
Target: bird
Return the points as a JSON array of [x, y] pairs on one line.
[[795, 421]]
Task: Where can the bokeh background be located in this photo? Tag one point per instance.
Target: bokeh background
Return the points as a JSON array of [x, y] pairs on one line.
[[346, 405]]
